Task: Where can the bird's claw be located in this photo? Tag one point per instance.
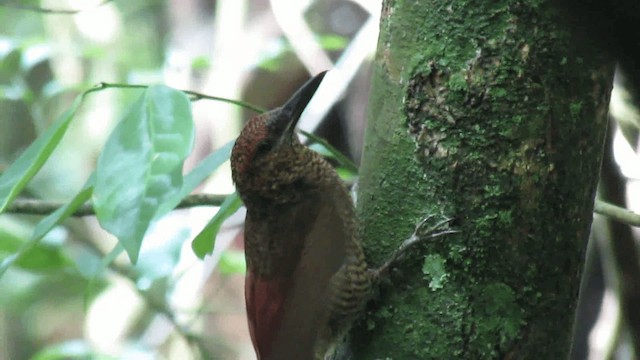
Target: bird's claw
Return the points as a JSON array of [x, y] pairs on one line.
[[421, 233]]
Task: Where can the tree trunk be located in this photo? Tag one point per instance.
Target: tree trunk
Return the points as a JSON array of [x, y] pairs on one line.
[[487, 113]]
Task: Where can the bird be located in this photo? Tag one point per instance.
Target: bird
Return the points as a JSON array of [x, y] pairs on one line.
[[307, 279]]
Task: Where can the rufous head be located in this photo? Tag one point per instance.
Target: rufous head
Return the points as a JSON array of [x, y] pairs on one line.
[[268, 143]]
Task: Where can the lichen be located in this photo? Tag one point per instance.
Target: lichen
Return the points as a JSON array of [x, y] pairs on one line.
[[434, 271]]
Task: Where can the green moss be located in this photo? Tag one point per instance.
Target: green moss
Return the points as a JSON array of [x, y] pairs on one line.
[[497, 319], [473, 116], [576, 109], [458, 82], [499, 93]]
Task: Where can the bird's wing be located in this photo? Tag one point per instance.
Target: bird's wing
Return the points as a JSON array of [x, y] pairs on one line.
[[287, 309], [264, 301], [305, 313]]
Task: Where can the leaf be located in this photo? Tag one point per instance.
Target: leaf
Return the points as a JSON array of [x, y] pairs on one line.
[[201, 63], [205, 240], [10, 64], [322, 150], [45, 225], [159, 259], [16, 177], [93, 286], [333, 42], [140, 167], [346, 174], [198, 175], [232, 262], [324, 147], [42, 257]]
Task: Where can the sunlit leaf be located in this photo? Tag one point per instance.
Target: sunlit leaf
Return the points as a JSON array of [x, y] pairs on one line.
[[346, 174], [232, 262], [201, 63], [10, 64], [323, 147], [140, 167], [322, 150], [16, 177], [271, 58], [94, 286], [205, 240], [160, 258]]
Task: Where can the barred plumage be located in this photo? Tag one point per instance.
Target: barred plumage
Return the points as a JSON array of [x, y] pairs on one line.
[[307, 279]]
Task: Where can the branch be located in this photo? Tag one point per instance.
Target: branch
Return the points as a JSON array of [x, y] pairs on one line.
[[158, 306], [42, 207], [617, 213], [195, 96]]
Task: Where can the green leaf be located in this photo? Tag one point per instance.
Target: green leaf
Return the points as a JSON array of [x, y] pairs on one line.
[[160, 258], [10, 65], [205, 240], [324, 148], [201, 63], [196, 176], [47, 256], [45, 225], [93, 286], [232, 262], [16, 177], [333, 42], [346, 174], [140, 167]]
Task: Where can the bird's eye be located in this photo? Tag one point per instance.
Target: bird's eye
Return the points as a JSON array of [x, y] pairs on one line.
[[263, 148]]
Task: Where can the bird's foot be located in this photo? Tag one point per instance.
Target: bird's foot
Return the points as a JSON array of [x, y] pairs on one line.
[[424, 231]]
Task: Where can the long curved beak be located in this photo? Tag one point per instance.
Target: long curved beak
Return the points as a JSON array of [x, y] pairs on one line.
[[287, 115]]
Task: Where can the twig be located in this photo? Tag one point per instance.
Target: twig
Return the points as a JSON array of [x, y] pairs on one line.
[[42, 207], [617, 213], [195, 96], [160, 307]]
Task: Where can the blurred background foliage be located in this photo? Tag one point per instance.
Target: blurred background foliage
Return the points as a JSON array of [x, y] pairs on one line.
[[60, 303]]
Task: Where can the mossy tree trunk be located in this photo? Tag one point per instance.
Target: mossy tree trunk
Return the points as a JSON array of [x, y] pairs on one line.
[[489, 113]]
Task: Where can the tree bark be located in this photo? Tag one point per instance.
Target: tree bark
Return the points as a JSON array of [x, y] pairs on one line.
[[488, 113]]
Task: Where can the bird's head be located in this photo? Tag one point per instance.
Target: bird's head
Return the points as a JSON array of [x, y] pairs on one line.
[[268, 158]]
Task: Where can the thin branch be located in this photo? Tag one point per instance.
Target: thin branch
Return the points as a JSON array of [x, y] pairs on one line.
[[195, 96], [158, 306], [50, 11], [42, 207], [617, 213]]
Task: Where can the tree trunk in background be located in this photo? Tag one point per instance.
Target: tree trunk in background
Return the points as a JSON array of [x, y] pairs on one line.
[[489, 113]]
